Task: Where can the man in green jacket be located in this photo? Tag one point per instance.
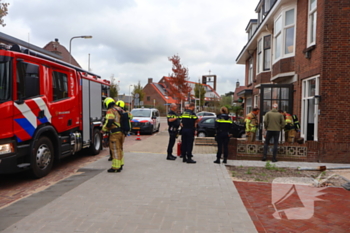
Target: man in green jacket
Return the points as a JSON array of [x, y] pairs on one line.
[[273, 124]]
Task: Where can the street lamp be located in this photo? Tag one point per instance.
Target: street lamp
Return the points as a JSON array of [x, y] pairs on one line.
[[130, 97], [70, 45]]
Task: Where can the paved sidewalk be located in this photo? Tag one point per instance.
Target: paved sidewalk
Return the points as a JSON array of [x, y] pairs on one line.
[[151, 194]]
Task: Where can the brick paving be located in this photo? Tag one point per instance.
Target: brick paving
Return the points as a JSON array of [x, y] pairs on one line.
[[331, 210]]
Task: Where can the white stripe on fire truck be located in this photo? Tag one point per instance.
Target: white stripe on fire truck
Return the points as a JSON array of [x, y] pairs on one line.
[[42, 105], [27, 113]]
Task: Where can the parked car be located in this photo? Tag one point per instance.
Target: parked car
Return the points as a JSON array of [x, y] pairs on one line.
[[145, 120], [205, 114], [206, 128]]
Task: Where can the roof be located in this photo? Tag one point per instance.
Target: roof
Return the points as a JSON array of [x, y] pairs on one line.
[[56, 48]]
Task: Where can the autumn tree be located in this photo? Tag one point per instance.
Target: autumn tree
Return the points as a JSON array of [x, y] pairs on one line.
[[199, 92], [3, 12], [180, 88], [138, 89]]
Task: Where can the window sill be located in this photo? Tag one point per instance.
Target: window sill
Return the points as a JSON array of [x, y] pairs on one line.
[[308, 50]]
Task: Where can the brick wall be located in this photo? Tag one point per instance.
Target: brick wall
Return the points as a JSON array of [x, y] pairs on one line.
[[283, 66], [153, 94]]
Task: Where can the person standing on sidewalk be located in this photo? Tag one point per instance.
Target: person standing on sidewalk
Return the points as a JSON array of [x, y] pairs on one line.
[[273, 124], [116, 138], [251, 124], [223, 126], [188, 124], [174, 124]]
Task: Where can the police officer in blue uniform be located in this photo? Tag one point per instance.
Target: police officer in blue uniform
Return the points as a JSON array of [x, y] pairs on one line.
[[223, 126], [174, 124], [189, 122]]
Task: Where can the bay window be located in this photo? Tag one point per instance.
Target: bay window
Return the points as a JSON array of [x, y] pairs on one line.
[[267, 52], [250, 72], [285, 34]]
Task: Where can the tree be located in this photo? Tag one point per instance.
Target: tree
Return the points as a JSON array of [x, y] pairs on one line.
[[226, 101], [199, 92], [179, 87], [113, 89], [3, 12], [138, 89]]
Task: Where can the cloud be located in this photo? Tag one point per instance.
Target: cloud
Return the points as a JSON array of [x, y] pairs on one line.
[[133, 39]]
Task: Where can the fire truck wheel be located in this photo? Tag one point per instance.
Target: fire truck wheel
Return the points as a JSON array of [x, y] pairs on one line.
[[95, 146], [42, 157]]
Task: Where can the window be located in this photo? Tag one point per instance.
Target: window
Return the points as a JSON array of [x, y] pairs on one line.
[[5, 78], [27, 80], [289, 32], [278, 37], [260, 54], [250, 72], [256, 101], [312, 22], [267, 52], [59, 85], [284, 34], [148, 98], [248, 105]]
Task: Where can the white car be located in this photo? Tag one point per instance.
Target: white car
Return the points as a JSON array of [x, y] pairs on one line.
[[205, 114], [145, 120]]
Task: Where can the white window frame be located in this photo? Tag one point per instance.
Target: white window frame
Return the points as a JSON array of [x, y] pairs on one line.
[[305, 107], [312, 24], [256, 100], [250, 71], [281, 34], [265, 68]]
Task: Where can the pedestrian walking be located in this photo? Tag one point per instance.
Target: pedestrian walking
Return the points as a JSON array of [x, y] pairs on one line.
[[251, 124], [188, 124], [223, 126], [273, 124], [173, 129], [116, 138]]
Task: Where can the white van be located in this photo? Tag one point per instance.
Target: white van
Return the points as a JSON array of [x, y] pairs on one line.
[[145, 120]]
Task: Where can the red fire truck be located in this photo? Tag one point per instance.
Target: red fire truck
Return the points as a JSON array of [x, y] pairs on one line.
[[49, 109]]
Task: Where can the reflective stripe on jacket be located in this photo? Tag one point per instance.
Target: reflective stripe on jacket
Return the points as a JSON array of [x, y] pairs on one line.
[[112, 114]]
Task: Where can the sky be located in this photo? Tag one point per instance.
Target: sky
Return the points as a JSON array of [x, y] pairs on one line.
[[133, 39]]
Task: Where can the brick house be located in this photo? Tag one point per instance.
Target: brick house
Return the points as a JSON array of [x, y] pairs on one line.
[[56, 48], [156, 93], [298, 55]]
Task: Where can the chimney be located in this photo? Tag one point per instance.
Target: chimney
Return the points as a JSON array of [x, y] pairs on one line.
[[237, 84], [56, 40], [150, 80]]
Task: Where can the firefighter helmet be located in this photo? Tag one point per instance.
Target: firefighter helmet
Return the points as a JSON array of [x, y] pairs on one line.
[[108, 101], [121, 103]]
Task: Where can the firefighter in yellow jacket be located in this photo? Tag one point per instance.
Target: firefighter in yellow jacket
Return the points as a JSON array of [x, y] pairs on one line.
[[251, 124], [116, 138], [289, 129]]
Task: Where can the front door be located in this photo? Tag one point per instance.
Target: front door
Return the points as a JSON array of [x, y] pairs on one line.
[[309, 111], [282, 94]]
